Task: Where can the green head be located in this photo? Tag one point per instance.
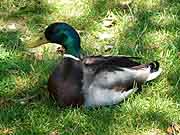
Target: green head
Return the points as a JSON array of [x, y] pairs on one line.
[[61, 33]]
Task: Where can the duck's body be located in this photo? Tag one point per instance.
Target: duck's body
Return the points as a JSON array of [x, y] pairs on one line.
[[98, 80], [93, 80]]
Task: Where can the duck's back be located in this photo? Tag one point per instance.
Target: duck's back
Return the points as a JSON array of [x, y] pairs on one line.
[[65, 83]]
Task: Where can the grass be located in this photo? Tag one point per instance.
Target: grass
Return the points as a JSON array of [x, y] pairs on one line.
[[146, 28]]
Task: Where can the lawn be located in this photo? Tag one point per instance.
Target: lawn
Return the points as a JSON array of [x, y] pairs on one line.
[[145, 28]]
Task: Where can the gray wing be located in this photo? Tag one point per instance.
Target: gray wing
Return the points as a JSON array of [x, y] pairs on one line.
[[112, 79]]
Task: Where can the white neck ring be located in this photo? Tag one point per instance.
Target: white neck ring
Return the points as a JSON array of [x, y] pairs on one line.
[[71, 56]]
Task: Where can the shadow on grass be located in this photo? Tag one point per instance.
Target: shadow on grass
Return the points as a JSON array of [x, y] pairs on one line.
[[174, 81], [11, 40], [41, 116], [34, 13], [174, 74], [20, 73], [161, 119], [177, 44]]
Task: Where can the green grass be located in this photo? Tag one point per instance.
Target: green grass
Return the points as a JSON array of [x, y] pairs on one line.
[[147, 28]]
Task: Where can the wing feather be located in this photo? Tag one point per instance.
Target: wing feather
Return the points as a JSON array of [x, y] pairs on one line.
[[110, 63]]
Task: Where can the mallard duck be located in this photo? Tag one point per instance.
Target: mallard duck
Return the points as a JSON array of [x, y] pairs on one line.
[[93, 80]]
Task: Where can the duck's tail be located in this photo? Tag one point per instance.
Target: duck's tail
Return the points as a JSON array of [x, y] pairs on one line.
[[155, 70]]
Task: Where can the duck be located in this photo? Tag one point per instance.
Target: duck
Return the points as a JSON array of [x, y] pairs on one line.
[[92, 81]]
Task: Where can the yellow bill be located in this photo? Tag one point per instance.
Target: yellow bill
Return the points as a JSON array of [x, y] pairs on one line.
[[37, 41]]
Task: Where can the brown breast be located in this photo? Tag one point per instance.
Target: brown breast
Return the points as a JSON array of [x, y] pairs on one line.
[[65, 83]]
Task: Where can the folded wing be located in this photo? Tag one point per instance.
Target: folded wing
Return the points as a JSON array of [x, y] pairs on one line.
[[110, 79]]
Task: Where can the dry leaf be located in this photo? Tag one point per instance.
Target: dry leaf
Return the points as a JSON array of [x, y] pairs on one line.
[[105, 35], [108, 48], [109, 20], [108, 23], [12, 26], [125, 4], [54, 133], [178, 54], [154, 132], [4, 102], [6, 131], [173, 129]]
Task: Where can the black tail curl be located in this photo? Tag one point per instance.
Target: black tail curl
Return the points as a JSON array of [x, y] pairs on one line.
[[154, 66]]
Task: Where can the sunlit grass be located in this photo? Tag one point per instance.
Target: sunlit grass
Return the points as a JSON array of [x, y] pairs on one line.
[[148, 29]]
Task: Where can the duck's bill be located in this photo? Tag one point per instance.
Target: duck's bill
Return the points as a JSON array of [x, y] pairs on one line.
[[38, 41]]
